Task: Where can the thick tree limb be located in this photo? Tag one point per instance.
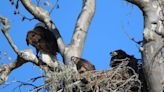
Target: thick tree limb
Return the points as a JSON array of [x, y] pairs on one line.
[[43, 16], [80, 31], [83, 23]]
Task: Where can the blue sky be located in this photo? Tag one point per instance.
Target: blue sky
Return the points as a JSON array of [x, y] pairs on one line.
[[106, 33]]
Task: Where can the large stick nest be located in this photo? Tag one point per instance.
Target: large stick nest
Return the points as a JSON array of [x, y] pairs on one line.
[[119, 79]]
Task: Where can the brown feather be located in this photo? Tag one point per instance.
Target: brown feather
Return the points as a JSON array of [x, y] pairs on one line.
[[82, 64], [43, 40]]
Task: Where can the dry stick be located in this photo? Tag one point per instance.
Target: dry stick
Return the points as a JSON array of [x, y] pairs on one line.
[[130, 79], [53, 7], [118, 68], [40, 87], [36, 78], [132, 39], [11, 42], [38, 2], [5, 32]]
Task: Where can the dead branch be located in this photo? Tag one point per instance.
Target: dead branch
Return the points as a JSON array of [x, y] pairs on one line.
[[6, 69], [5, 29], [36, 78], [37, 89], [25, 84]]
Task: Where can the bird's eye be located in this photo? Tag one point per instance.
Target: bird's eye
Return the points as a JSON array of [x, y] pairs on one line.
[[33, 35]]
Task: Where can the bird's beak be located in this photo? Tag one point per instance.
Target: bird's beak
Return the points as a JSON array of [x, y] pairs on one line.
[[113, 53]]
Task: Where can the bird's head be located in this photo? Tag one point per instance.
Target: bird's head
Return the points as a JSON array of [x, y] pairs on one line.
[[32, 38], [117, 52]]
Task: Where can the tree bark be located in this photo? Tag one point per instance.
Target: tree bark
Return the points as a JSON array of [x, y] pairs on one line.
[[153, 42]]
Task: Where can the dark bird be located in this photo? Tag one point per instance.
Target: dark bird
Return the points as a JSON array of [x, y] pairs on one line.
[[119, 55], [43, 40], [82, 64]]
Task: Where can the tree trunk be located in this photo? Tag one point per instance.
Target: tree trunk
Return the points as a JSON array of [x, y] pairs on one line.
[[153, 42]]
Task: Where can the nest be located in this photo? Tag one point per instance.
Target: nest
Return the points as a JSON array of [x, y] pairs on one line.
[[118, 79]]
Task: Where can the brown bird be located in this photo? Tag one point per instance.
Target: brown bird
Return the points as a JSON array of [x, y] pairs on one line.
[[82, 64], [43, 40]]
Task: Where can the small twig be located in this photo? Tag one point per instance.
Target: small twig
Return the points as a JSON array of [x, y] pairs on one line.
[[40, 87], [36, 78], [127, 81], [21, 84], [132, 39], [26, 18], [38, 2], [25, 84], [53, 7]]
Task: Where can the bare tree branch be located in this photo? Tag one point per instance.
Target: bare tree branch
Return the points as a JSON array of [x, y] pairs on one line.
[[80, 31], [27, 57], [5, 29], [83, 23], [43, 16]]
